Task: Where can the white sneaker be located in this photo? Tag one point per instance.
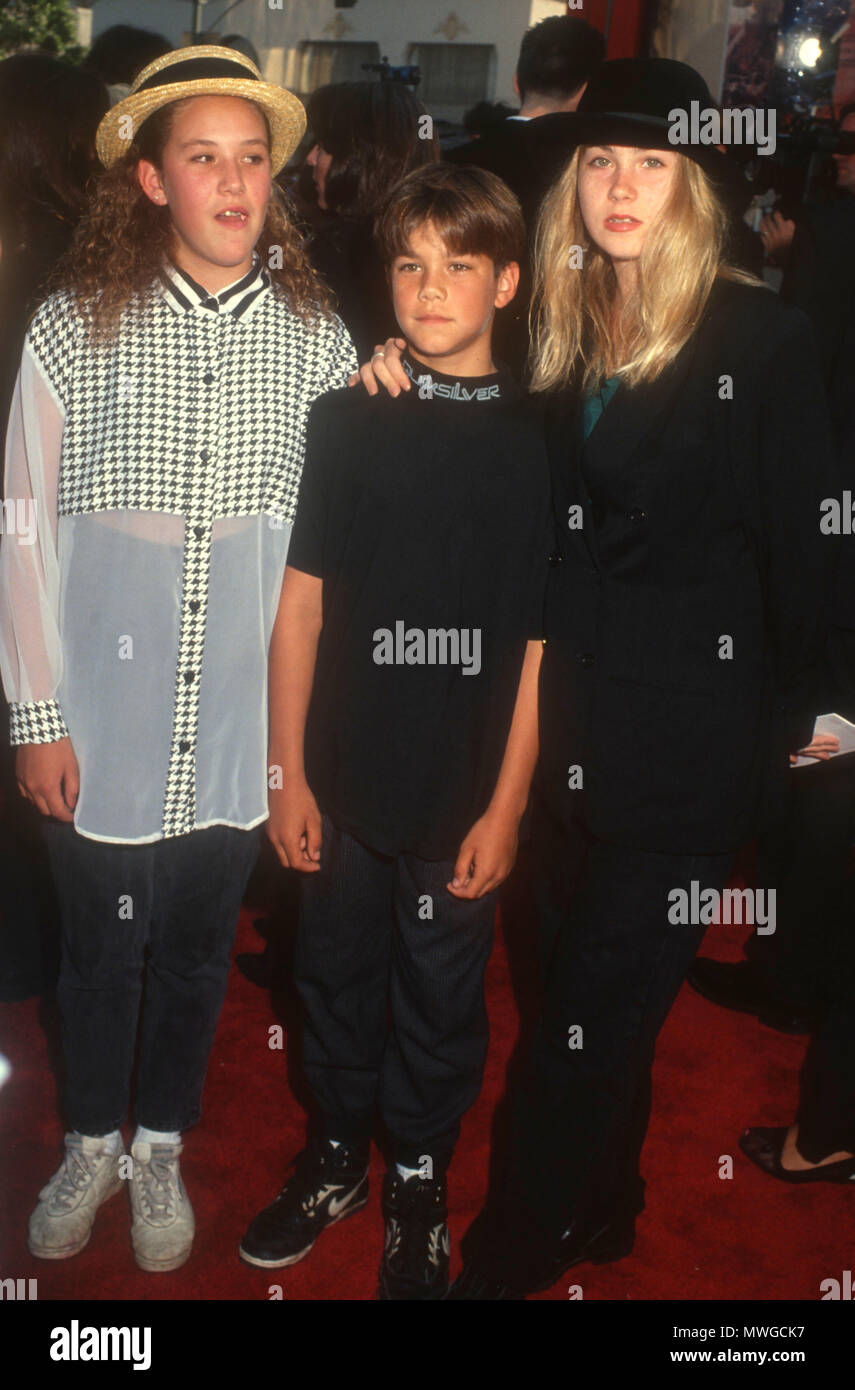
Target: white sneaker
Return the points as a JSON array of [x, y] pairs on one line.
[[163, 1225], [62, 1222]]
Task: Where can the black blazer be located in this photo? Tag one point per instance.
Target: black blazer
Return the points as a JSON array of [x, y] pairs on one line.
[[700, 523]]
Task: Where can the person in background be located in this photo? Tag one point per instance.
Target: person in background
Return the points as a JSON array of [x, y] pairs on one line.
[[49, 112], [844, 160], [120, 52], [783, 978], [778, 232], [801, 979], [242, 45], [368, 135], [557, 58], [484, 115], [527, 151]]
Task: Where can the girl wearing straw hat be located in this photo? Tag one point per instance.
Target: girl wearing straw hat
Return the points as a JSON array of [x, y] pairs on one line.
[[156, 435]]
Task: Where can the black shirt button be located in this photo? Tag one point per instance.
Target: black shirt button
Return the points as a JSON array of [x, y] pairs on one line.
[[195, 605], [189, 677], [637, 515], [199, 531], [556, 558], [586, 658], [204, 455], [184, 746], [208, 378]]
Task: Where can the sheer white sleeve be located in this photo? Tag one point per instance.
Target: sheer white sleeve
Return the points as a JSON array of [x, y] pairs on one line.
[[30, 648]]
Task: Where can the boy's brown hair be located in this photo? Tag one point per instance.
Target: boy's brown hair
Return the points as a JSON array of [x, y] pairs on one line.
[[472, 210]]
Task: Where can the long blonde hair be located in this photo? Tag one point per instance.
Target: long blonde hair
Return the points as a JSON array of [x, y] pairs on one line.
[[576, 332]]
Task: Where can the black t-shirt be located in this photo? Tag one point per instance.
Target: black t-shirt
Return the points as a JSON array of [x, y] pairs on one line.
[[428, 518]]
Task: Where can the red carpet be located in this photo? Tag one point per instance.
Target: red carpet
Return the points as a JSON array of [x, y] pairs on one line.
[[701, 1237]]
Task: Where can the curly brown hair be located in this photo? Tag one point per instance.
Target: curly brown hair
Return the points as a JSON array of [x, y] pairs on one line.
[[123, 239]]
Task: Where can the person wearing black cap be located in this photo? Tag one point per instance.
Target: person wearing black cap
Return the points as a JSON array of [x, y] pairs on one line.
[[683, 401]]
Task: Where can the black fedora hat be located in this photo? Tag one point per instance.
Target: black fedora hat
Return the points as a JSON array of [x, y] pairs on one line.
[[631, 101]]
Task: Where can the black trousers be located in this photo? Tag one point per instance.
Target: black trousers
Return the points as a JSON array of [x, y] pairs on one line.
[[810, 960], [147, 933], [390, 968], [612, 965], [805, 856], [826, 1113]]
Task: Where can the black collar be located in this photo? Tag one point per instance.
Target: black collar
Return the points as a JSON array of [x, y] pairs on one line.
[[433, 385], [184, 295]]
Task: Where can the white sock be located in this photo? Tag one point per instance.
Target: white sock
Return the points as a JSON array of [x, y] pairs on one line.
[[156, 1136], [407, 1173], [112, 1142]]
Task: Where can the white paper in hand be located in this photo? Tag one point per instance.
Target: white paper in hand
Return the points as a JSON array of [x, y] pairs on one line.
[[831, 724]]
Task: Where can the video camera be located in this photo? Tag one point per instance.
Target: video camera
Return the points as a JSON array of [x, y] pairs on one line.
[[409, 73], [808, 135]]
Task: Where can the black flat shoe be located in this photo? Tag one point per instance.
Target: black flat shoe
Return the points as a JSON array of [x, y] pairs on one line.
[[608, 1244], [765, 1146]]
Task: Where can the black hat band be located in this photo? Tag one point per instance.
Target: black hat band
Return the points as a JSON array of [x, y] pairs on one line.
[[196, 70]]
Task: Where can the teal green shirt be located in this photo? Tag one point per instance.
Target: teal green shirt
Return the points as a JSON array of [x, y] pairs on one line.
[[596, 402]]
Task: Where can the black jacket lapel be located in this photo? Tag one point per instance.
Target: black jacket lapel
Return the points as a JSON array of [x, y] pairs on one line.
[[564, 442], [631, 415]]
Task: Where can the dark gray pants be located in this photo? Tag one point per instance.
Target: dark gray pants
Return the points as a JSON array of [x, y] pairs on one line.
[[394, 1000], [172, 954]]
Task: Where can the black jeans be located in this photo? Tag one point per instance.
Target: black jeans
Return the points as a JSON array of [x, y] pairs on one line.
[[160, 915], [612, 965], [393, 998]]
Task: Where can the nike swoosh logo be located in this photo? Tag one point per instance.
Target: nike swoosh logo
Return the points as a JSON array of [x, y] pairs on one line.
[[338, 1204]]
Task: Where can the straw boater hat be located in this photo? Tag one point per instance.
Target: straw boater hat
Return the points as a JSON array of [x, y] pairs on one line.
[[197, 72]]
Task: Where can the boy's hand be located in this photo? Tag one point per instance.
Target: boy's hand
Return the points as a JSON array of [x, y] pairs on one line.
[[294, 827], [48, 775], [486, 856], [385, 368]]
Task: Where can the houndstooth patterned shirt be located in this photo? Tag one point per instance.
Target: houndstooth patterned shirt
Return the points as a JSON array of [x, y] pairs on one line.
[[151, 486]]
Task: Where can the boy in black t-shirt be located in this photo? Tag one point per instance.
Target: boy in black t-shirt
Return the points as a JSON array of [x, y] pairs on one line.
[[403, 693]]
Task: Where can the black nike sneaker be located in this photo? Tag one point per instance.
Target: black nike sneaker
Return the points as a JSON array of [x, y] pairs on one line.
[[415, 1257], [330, 1182]]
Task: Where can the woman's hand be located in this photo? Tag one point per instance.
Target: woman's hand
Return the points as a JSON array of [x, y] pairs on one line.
[[384, 369], [294, 826], [821, 746], [486, 856]]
